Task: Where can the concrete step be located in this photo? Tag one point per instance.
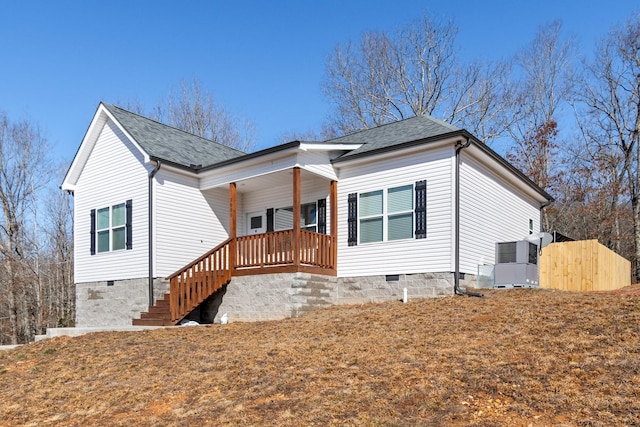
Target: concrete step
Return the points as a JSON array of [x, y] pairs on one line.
[[152, 322]]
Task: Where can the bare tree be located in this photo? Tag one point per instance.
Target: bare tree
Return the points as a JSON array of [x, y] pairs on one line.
[[23, 172], [414, 71], [193, 109], [58, 307], [543, 89], [388, 78], [608, 103], [480, 98]]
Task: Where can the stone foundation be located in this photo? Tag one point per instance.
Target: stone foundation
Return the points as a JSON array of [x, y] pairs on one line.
[[259, 297], [99, 304], [357, 290], [278, 296]]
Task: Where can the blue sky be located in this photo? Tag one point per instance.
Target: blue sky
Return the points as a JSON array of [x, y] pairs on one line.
[[263, 60]]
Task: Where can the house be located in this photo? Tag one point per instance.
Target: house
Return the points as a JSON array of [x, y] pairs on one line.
[[416, 204]]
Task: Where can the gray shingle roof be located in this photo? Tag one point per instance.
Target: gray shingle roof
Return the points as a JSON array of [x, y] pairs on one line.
[[396, 133], [171, 144]]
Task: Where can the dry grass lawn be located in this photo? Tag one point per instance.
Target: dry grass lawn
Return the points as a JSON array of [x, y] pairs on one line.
[[517, 357]]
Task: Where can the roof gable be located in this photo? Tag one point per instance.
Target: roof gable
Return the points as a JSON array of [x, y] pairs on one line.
[[396, 133], [167, 143], [154, 140]]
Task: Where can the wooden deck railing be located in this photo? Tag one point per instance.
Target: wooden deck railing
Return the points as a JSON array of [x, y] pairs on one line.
[[260, 250], [194, 283], [276, 248], [317, 249], [197, 281]]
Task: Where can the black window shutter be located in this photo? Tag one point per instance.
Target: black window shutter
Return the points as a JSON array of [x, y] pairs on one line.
[[93, 232], [322, 216], [269, 220], [129, 228], [352, 218], [421, 209]]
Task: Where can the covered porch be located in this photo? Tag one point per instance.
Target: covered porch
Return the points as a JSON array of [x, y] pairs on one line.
[[297, 236]]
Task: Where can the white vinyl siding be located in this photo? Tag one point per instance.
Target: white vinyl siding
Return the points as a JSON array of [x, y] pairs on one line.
[[188, 222], [491, 211], [282, 197], [117, 159], [410, 255]]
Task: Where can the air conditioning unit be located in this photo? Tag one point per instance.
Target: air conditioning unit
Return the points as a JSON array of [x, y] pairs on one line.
[[516, 265]]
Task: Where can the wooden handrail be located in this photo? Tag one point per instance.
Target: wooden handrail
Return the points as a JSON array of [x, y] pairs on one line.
[[195, 282]]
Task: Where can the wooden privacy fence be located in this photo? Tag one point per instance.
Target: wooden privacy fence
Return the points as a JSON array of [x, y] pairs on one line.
[[584, 265]]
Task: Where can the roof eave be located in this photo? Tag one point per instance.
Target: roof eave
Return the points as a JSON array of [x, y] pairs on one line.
[[239, 159], [457, 133], [407, 144], [503, 162]]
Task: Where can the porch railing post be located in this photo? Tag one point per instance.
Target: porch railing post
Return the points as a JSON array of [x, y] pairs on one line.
[[232, 225], [333, 208], [296, 216]]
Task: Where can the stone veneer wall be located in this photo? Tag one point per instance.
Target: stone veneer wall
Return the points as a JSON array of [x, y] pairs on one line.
[[277, 296], [98, 304], [259, 297]]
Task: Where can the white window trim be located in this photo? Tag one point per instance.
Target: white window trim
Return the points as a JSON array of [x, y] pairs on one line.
[[111, 228], [385, 215]]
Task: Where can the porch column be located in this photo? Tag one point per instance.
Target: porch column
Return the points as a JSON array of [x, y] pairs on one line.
[[333, 222], [232, 225], [296, 216]]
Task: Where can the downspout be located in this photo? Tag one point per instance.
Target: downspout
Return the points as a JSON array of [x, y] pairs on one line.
[[456, 279], [152, 174], [544, 205]]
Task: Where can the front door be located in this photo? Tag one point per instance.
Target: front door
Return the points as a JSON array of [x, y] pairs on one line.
[[256, 222]]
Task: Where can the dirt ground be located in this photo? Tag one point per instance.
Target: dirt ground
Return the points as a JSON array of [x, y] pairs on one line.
[[520, 357]]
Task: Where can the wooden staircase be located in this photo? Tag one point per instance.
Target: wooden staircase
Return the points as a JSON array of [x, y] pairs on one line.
[[190, 286], [158, 315]]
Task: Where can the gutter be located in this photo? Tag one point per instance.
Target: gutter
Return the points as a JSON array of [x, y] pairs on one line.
[[456, 278], [152, 174]]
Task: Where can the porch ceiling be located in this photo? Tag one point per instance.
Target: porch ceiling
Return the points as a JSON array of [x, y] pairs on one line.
[[276, 179]]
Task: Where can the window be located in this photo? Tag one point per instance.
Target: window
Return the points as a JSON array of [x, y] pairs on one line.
[[256, 221], [400, 211], [111, 228], [283, 217], [371, 217], [386, 214]]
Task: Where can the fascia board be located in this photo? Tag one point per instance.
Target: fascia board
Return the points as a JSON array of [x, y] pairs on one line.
[[399, 151], [88, 142], [147, 158], [84, 150], [230, 173], [328, 147], [499, 166]]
